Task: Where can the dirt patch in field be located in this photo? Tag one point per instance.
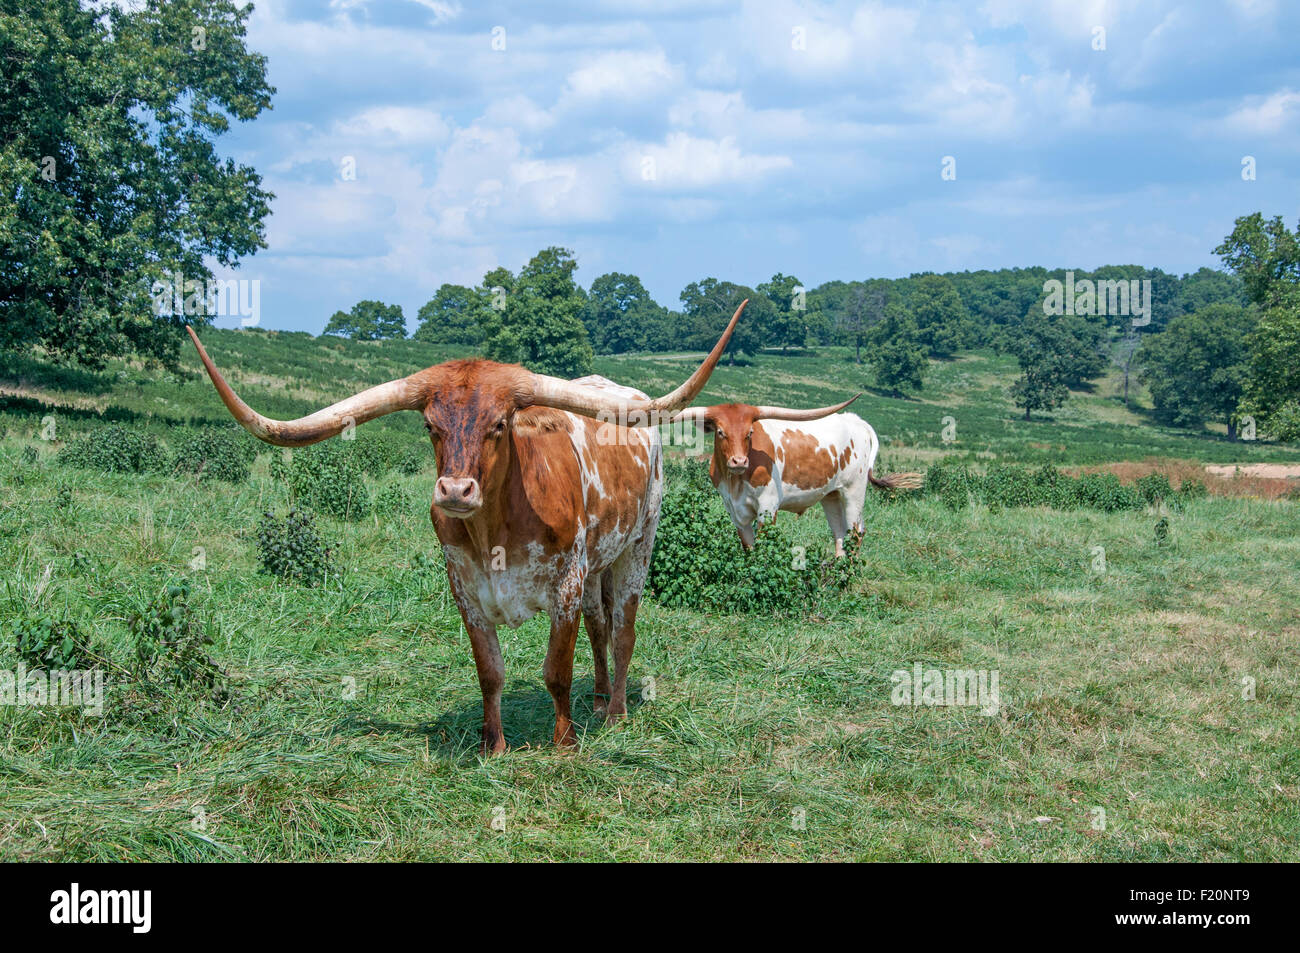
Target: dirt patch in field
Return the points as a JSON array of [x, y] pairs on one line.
[[1265, 481]]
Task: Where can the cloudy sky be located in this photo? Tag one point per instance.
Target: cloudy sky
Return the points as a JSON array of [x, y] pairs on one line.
[[678, 139]]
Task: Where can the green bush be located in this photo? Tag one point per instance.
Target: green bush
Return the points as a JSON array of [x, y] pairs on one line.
[[213, 453], [1153, 488], [46, 643], [1192, 490], [116, 449], [171, 645], [328, 478], [292, 549], [698, 562], [392, 499], [1008, 485]]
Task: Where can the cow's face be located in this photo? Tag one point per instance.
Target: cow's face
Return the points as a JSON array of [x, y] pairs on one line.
[[469, 423], [732, 426]]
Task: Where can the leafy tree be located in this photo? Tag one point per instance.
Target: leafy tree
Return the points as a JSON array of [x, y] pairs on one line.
[[943, 323], [1044, 349], [541, 326], [1272, 387], [709, 305], [368, 321], [1266, 256], [1196, 368], [454, 315], [620, 316], [109, 175], [788, 325], [899, 360]]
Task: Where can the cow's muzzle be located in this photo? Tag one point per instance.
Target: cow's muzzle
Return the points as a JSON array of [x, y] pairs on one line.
[[457, 496], [738, 465]]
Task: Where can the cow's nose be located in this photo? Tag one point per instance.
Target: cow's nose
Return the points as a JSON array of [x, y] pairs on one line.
[[458, 496], [738, 464]]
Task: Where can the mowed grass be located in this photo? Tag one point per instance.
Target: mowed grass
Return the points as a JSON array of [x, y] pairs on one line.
[[352, 727]]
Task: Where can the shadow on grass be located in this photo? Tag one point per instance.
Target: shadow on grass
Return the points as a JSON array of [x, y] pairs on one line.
[[527, 715]]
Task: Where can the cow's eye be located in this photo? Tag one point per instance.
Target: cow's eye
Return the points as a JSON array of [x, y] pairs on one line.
[[500, 427], [750, 434], [722, 434]]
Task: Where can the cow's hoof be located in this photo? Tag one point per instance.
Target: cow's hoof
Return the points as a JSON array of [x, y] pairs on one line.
[[600, 703], [491, 745]]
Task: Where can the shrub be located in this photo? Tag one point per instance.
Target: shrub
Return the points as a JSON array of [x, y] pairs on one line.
[[1154, 487], [171, 644], [413, 460], [328, 478], [214, 453], [393, 498], [30, 456], [46, 643], [1192, 490], [698, 561], [1103, 491], [292, 549], [116, 449]]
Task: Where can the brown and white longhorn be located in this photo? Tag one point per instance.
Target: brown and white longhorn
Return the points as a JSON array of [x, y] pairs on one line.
[[538, 507]]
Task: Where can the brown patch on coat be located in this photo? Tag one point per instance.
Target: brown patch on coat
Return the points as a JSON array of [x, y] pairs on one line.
[[808, 465]]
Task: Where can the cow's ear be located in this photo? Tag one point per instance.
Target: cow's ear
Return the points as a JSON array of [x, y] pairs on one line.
[[552, 483]]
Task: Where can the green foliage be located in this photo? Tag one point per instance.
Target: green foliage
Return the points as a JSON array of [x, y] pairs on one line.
[[1196, 368], [368, 320], [709, 305], [392, 499], [1008, 485], [214, 453], [1265, 255], [540, 326], [1154, 488], [1272, 387], [943, 324], [1192, 490], [109, 176], [896, 356], [48, 644], [789, 327], [454, 315], [327, 477], [1046, 352], [620, 316], [699, 563], [171, 645], [292, 548], [116, 449]]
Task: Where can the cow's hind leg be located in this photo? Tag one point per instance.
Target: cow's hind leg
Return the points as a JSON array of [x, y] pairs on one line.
[[596, 619], [833, 507], [624, 625]]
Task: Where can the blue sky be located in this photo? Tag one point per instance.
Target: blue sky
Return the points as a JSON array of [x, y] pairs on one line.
[[681, 139]]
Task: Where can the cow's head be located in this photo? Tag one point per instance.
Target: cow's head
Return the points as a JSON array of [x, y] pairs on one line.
[[468, 408], [732, 426]]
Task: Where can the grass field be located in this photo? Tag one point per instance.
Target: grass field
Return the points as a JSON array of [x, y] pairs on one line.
[[767, 738]]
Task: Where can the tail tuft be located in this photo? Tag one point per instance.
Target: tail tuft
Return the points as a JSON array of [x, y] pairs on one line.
[[896, 481]]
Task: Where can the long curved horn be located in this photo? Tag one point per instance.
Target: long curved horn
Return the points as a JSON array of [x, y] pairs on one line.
[[401, 394], [786, 413], [591, 402], [693, 415]]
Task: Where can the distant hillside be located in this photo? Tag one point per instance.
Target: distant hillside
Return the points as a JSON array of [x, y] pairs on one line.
[[288, 374]]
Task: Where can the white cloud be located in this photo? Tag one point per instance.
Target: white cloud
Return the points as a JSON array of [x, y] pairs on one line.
[[630, 75], [685, 162], [1266, 115]]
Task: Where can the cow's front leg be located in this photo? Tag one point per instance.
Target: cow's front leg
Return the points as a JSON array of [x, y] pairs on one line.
[[491, 678], [558, 672]]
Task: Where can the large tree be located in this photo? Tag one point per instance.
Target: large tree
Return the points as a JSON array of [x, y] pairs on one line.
[[454, 315], [942, 321], [540, 325], [899, 360], [1196, 367], [110, 179], [709, 305], [1265, 255], [368, 321], [1045, 350], [789, 325], [621, 316]]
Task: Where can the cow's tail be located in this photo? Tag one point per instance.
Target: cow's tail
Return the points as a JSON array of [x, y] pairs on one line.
[[895, 481]]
